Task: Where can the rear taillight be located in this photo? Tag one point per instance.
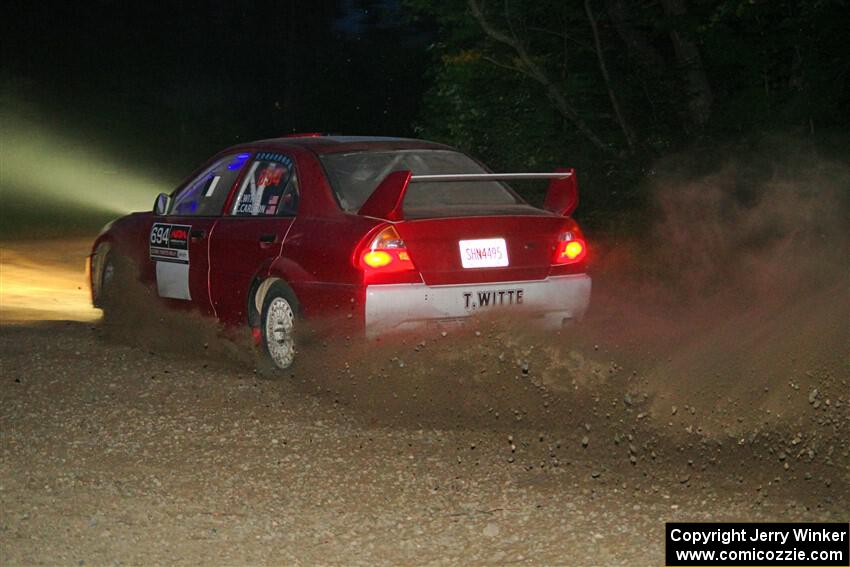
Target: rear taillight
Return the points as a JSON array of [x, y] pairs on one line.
[[569, 249], [384, 259]]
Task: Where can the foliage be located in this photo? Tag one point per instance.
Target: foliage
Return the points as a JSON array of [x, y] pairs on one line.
[[680, 74]]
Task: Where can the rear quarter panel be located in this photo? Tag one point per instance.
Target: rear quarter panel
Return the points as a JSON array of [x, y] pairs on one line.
[[317, 263], [316, 259]]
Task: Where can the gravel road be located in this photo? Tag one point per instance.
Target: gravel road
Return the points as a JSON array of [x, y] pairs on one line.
[[115, 454], [151, 440]]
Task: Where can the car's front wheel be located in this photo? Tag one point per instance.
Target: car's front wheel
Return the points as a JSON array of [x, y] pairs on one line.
[[113, 276], [277, 323]]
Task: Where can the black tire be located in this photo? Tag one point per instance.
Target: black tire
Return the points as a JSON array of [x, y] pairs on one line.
[[111, 277], [122, 297], [278, 324]]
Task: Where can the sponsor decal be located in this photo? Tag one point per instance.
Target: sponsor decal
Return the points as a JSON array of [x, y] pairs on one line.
[[272, 156], [492, 298], [170, 243]]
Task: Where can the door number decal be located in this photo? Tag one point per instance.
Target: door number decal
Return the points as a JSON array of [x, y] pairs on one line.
[[170, 243], [169, 249]]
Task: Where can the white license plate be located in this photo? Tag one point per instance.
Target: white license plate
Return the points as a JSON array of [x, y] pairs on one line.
[[483, 253]]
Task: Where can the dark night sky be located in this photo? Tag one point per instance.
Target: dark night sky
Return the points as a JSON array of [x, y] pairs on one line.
[[177, 82]]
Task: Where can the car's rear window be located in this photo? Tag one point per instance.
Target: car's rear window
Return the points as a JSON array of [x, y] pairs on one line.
[[354, 176]]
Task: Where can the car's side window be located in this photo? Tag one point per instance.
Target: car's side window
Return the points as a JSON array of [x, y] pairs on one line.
[[270, 187], [205, 195]]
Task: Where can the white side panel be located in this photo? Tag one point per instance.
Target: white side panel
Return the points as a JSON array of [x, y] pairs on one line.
[[172, 280]]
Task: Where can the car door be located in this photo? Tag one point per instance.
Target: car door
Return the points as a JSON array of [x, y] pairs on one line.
[[250, 235], [179, 241]]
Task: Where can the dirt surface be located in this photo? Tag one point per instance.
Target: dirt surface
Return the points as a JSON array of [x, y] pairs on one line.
[[490, 446], [715, 389], [113, 454]]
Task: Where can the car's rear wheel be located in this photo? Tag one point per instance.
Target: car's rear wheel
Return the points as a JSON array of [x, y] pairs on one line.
[[278, 324]]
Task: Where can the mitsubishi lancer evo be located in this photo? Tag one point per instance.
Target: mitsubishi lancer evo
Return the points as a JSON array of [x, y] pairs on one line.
[[383, 235]]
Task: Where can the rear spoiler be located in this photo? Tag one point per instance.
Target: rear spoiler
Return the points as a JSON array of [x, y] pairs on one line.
[[386, 201]]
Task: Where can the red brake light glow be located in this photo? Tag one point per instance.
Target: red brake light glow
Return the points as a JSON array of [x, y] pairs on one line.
[[385, 259], [570, 249], [573, 250], [377, 258]]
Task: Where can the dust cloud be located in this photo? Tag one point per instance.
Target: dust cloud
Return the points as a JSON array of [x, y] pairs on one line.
[[747, 272], [727, 318], [134, 315]]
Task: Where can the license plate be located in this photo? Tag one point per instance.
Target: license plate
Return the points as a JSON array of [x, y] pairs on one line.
[[483, 253]]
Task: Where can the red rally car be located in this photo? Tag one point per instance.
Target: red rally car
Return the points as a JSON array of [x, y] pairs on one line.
[[384, 235]]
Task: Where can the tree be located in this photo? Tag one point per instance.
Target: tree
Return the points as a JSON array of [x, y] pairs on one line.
[[526, 65], [608, 86], [636, 80]]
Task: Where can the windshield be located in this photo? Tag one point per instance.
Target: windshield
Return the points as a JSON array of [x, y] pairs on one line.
[[354, 176]]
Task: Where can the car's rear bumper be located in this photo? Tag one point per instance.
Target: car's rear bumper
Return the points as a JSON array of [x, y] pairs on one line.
[[551, 302]]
